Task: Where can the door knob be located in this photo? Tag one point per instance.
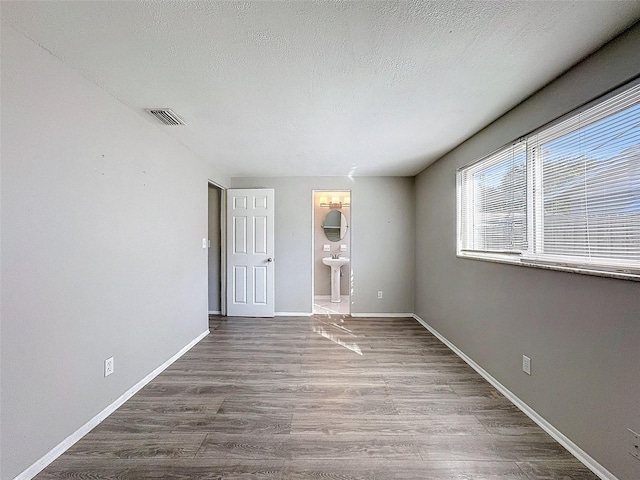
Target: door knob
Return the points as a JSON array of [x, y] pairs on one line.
[[269, 259]]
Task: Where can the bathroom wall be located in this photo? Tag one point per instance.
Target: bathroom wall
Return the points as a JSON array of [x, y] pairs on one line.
[[214, 249], [382, 240], [581, 332], [103, 216], [321, 272]]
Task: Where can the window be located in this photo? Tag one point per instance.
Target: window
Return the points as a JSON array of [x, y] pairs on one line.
[[566, 196], [495, 191]]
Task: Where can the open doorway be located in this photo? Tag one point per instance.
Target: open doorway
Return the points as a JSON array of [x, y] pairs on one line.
[[215, 257], [331, 252]]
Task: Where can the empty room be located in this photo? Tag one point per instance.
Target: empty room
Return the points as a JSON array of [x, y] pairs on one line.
[[320, 239]]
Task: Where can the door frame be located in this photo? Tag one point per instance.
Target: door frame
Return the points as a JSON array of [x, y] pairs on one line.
[[223, 244]]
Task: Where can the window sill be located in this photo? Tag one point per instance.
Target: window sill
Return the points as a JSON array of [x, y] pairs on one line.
[[549, 265]]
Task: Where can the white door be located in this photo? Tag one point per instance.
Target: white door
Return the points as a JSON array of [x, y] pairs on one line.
[[250, 262]]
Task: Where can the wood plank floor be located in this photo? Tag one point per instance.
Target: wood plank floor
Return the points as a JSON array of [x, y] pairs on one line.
[[320, 397]]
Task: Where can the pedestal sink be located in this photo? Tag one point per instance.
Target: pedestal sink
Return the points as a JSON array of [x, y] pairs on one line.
[[335, 264]]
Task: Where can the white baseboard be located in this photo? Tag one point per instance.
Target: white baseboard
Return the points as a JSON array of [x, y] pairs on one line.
[[383, 315], [563, 440], [68, 442], [293, 314], [215, 312]]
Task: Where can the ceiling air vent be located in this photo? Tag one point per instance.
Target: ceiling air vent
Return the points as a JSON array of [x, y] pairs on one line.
[[166, 116]]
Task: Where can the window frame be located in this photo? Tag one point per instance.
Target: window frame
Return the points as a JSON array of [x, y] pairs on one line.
[[533, 256]]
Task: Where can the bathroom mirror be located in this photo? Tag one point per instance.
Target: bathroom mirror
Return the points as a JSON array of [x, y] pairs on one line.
[[335, 225]]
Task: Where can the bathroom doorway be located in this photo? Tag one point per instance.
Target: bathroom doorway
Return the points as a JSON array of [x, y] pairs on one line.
[[331, 252]]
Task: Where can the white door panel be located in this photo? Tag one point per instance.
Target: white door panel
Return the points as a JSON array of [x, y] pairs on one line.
[[250, 266]]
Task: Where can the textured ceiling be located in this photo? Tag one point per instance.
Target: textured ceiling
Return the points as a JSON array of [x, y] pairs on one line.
[[322, 88]]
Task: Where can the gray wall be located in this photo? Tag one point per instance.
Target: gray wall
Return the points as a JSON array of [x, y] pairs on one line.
[[581, 332], [214, 249], [103, 217], [321, 272], [382, 239]]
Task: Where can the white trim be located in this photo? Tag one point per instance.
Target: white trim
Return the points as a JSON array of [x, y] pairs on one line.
[[68, 442], [574, 449], [223, 251], [216, 312], [383, 315], [293, 314], [313, 248]]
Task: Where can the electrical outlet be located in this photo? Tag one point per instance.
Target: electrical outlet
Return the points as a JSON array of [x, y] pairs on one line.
[[108, 366], [634, 444], [204, 243], [526, 364], [379, 293]]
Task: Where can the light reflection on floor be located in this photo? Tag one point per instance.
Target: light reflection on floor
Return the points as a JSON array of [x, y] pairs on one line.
[[331, 329], [322, 304]]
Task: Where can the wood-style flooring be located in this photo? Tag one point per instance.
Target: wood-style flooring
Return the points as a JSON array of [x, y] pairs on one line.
[[318, 397]]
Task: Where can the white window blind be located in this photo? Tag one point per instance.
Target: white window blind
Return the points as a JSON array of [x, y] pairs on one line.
[[495, 191], [568, 195], [586, 179]]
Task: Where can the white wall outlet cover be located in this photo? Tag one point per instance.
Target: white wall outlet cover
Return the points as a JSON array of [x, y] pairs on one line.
[[326, 247], [343, 248], [108, 366], [204, 243], [380, 294], [526, 364]]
